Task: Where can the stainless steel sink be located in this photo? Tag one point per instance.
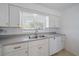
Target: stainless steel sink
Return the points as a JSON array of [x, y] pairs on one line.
[[36, 36]]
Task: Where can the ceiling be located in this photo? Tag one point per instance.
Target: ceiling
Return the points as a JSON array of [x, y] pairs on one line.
[[57, 6]]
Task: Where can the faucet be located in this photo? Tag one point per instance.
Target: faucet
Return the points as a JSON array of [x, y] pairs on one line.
[[36, 31]]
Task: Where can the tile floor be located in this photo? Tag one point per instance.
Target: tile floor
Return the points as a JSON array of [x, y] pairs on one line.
[[63, 53]]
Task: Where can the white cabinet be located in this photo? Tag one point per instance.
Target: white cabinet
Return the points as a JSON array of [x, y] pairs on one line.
[[38, 48], [51, 21], [14, 16], [54, 21], [56, 44], [20, 49], [4, 15], [60, 43], [52, 46], [9, 15], [0, 51]]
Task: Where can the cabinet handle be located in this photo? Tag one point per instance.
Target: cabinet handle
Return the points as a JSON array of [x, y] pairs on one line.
[[17, 24], [26, 51], [7, 23], [17, 47], [40, 47], [54, 38]]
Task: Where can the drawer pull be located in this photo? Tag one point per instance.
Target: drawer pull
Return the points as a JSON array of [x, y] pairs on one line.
[[26, 51], [40, 47], [17, 47]]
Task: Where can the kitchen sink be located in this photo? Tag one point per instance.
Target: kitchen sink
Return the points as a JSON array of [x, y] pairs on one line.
[[36, 36]]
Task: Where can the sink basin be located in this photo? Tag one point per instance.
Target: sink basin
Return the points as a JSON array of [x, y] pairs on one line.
[[36, 36]]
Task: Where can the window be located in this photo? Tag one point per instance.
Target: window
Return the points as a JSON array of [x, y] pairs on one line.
[[31, 20]]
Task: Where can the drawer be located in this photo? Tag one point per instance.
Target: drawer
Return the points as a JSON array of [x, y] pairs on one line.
[[44, 41], [0, 51], [17, 53], [14, 47], [39, 42]]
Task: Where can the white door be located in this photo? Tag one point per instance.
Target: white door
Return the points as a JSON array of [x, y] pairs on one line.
[[4, 21], [14, 16]]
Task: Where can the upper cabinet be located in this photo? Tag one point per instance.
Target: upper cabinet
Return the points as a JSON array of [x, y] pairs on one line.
[[14, 13], [57, 21], [4, 16], [9, 15], [54, 21]]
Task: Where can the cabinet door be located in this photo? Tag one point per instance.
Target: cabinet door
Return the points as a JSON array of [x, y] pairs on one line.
[[4, 21], [51, 21], [52, 46], [33, 50], [0, 51], [38, 49], [60, 43], [55, 45], [43, 50], [56, 21], [14, 16]]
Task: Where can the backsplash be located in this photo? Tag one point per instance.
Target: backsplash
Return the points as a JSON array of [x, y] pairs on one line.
[[9, 34], [21, 31]]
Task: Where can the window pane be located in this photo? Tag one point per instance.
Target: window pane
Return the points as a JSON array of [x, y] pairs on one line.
[[40, 21], [27, 20], [31, 21]]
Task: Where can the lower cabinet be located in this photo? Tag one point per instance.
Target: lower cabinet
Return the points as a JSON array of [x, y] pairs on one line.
[[38, 48], [60, 43], [56, 44], [0, 51], [42, 47], [32, 48], [52, 46], [15, 50]]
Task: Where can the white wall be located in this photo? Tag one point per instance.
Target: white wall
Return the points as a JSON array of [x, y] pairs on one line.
[[70, 27]]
